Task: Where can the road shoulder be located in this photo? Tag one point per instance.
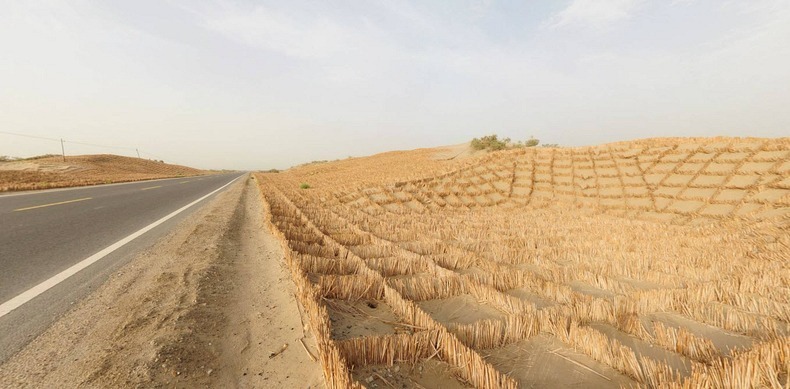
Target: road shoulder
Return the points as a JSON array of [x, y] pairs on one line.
[[205, 306]]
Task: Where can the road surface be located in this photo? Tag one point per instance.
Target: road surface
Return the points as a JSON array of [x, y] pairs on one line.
[[58, 245]]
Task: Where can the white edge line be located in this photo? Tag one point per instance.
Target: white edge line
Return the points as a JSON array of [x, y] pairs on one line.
[[33, 292]]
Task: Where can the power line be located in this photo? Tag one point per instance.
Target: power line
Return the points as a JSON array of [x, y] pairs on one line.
[[29, 136], [62, 141], [68, 141], [95, 145]]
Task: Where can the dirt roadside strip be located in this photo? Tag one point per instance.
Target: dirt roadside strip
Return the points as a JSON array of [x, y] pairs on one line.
[[205, 306]]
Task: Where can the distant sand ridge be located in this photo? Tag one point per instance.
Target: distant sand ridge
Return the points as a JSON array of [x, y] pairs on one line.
[[666, 180], [53, 172]]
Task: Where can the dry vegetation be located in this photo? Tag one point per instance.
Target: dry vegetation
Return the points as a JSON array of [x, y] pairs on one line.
[[656, 263], [53, 172]]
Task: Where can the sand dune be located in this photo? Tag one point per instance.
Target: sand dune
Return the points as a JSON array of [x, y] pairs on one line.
[[655, 262]]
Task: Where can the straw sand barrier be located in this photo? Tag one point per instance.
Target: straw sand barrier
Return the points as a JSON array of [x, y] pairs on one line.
[[404, 260]]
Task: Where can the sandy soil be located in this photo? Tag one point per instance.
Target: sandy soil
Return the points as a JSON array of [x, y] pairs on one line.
[[724, 341], [360, 318], [535, 363], [526, 295], [463, 309], [209, 305], [645, 349], [424, 374]]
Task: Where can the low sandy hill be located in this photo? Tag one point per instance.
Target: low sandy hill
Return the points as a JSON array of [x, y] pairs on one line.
[[53, 172], [668, 179], [379, 169]]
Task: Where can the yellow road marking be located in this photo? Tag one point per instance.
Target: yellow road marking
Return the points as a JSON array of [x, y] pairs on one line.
[[49, 205], [152, 187], [183, 182]]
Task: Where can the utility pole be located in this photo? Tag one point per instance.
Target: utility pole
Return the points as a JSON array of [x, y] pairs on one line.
[[63, 149], [138, 153]]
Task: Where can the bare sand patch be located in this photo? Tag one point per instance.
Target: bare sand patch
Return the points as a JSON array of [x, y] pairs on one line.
[[360, 318], [542, 362], [423, 374], [463, 309], [590, 290], [644, 349], [531, 297], [724, 341]]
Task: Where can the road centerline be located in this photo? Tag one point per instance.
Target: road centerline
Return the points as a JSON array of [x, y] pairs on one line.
[[152, 187], [52, 204]]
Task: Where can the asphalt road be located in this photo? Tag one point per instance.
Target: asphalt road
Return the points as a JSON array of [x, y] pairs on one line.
[[43, 233]]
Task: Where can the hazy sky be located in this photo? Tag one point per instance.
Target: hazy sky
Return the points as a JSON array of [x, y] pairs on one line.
[[261, 84]]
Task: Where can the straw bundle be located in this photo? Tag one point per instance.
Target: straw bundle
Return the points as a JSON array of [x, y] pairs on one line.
[[684, 342], [430, 288], [761, 367], [350, 287], [390, 266], [487, 334], [323, 265], [390, 349]]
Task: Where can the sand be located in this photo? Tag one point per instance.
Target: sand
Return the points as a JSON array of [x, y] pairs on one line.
[[542, 362], [463, 309], [424, 374], [360, 318], [80, 170], [726, 342]]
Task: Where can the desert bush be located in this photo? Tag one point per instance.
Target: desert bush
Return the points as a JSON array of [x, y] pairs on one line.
[[531, 142], [494, 143], [304, 185], [490, 142]]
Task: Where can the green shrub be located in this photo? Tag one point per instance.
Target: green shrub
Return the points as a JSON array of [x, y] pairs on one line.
[[493, 143], [304, 185], [490, 142]]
